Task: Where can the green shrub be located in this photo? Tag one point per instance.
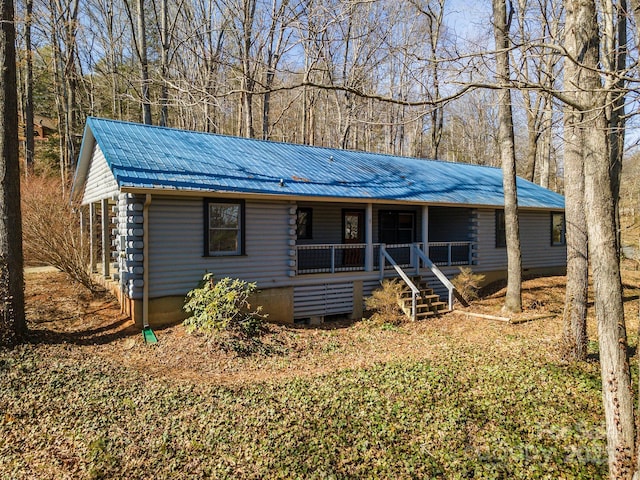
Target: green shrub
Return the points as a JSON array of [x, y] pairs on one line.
[[384, 304], [222, 311], [468, 283]]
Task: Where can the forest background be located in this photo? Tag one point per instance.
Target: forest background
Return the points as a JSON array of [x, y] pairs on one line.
[[560, 77]]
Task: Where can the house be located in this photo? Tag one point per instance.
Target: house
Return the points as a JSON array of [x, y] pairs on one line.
[[43, 128], [316, 228]]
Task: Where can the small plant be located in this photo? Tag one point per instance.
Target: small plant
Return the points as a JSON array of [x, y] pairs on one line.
[[222, 310], [468, 283], [384, 304]]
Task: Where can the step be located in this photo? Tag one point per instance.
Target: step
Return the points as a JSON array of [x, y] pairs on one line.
[[420, 315], [420, 305], [421, 300], [419, 286], [440, 305], [423, 291]]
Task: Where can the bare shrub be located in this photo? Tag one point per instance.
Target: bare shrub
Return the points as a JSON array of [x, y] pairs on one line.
[[51, 230], [468, 283], [384, 304]]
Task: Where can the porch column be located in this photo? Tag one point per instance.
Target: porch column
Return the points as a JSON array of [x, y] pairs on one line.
[[368, 238], [92, 237], [106, 248], [425, 230]]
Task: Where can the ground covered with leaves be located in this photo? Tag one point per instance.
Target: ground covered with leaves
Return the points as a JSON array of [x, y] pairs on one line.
[[453, 397]]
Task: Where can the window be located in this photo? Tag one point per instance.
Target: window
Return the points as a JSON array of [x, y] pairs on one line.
[[304, 222], [396, 226], [558, 232], [224, 228], [501, 235]]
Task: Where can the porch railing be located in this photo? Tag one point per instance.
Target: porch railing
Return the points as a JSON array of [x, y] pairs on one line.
[[385, 257], [438, 273], [331, 258]]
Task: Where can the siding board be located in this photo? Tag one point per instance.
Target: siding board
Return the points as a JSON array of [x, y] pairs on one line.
[[176, 246], [100, 182], [535, 236]]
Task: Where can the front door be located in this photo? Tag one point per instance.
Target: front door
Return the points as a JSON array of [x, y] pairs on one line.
[[352, 232], [397, 227]]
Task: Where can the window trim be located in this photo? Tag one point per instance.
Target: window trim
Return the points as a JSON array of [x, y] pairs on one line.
[[500, 233], [308, 235], [241, 227], [563, 232]]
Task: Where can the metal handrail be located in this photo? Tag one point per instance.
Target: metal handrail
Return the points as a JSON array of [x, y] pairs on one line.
[[414, 290], [437, 272]]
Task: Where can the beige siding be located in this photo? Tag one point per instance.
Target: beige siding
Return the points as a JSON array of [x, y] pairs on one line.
[[177, 261], [535, 236], [100, 181]]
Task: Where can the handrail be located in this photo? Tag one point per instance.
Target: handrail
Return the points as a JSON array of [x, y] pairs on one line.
[[438, 273], [414, 290]]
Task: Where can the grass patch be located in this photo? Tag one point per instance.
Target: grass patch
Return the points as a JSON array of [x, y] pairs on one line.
[[468, 415]]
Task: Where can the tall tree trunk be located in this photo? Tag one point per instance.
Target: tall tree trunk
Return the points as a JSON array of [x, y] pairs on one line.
[[547, 143], [513, 300], [598, 201], [144, 64], [29, 144], [164, 63], [248, 80], [574, 333], [616, 59], [12, 320]]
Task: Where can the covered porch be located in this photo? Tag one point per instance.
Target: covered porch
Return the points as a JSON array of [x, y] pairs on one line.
[[334, 238]]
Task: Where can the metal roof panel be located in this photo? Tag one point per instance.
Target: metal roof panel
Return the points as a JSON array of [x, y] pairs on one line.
[[144, 156]]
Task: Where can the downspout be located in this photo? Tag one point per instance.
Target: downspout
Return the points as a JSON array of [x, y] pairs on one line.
[[145, 261]]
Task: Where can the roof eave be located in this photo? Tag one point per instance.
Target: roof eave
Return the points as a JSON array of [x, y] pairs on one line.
[[309, 198], [84, 162]]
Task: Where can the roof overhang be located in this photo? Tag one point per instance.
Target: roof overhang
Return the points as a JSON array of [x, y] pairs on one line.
[[172, 192], [84, 162]]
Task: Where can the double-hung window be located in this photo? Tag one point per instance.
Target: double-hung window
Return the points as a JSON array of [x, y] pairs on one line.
[[304, 223], [224, 227], [501, 234], [558, 229]]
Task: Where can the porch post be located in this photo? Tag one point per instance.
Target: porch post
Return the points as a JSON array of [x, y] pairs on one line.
[[425, 230], [106, 248], [368, 237], [92, 237]]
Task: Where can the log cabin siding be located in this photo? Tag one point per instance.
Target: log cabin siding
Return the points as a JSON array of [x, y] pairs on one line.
[[176, 246], [100, 182]]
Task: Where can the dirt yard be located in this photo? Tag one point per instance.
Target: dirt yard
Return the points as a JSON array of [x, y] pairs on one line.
[[61, 314]]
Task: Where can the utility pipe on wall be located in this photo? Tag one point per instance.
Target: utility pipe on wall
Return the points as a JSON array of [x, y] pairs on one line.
[[145, 261]]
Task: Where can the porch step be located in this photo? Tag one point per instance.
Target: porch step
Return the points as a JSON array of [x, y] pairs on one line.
[[428, 303]]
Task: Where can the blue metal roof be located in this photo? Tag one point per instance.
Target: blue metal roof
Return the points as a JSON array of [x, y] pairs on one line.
[[150, 157]]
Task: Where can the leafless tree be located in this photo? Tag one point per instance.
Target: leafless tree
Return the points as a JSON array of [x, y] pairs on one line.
[[12, 315], [513, 299]]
